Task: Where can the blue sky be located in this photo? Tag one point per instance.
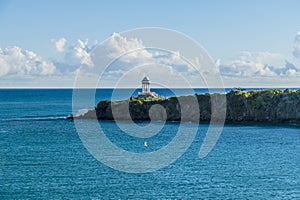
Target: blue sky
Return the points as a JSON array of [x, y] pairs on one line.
[[226, 29]]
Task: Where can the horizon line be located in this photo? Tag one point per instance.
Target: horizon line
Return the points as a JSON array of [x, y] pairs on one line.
[[282, 87]]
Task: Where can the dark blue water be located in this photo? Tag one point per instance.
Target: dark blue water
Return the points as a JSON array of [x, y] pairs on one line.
[[42, 156]]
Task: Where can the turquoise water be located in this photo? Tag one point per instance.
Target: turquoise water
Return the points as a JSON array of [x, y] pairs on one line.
[[43, 157]]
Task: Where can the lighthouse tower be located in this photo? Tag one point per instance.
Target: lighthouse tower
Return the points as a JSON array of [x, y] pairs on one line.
[[146, 93], [146, 85]]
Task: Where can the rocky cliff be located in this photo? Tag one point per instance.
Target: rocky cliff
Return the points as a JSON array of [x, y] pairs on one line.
[[267, 106]]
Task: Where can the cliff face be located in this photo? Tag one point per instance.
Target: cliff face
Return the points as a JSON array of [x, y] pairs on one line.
[[270, 106], [264, 106]]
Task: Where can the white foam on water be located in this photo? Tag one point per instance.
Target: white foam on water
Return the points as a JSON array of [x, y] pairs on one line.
[[81, 112]]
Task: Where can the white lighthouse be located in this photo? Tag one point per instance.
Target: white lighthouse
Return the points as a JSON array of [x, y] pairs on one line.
[[146, 85], [146, 93]]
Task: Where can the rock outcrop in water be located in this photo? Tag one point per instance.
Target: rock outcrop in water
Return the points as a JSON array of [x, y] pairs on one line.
[[267, 106]]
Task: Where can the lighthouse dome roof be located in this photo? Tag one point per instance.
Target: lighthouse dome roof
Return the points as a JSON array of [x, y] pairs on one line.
[[146, 79]]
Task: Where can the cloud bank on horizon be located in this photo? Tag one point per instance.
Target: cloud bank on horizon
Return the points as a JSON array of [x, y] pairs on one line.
[[15, 62], [25, 68]]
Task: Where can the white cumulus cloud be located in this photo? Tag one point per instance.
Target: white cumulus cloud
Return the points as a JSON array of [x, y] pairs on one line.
[[60, 44], [117, 45], [75, 56], [16, 61], [124, 51], [119, 55], [258, 64], [79, 54], [131, 52]]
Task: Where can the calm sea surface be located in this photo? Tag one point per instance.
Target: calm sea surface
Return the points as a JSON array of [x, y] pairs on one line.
[[42, 156]]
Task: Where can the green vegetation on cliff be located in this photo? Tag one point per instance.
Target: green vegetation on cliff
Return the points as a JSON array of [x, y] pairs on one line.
[[266, 106]]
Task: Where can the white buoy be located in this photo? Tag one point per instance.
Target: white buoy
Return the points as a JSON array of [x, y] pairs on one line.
[[145, 144]]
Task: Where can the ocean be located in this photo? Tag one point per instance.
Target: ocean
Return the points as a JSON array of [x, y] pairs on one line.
[[43, 157]]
